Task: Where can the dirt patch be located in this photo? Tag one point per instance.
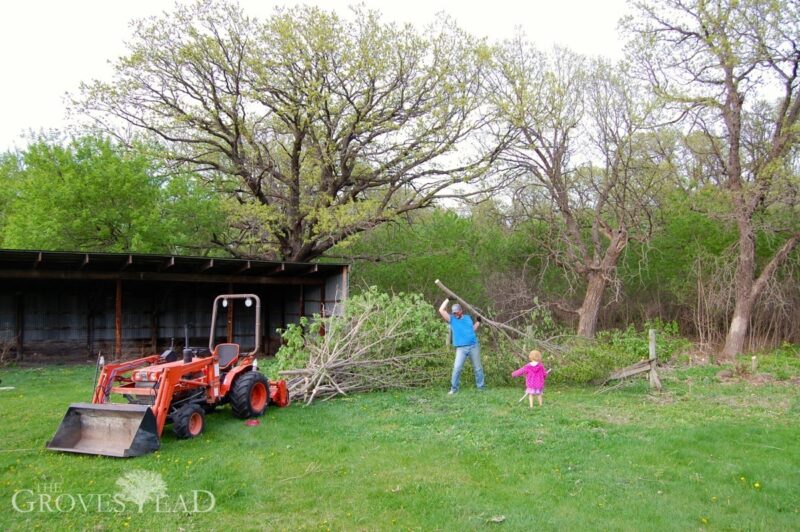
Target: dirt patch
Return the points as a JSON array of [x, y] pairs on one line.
[[759, 379], [767, 403], [662, 398]]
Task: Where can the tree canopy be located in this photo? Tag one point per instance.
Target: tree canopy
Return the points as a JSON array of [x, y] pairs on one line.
[[94, 195], [580, 158], [714, 64], [318, 127]]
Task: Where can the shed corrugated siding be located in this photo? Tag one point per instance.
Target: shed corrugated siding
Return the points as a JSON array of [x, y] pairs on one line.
[[336, 290], [7, 317], [78, 318], [60, 316]]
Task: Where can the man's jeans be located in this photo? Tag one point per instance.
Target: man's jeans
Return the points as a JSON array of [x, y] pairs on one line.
[[474, 353]]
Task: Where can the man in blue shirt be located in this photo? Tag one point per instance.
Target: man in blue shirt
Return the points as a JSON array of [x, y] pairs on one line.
[[466, 343]]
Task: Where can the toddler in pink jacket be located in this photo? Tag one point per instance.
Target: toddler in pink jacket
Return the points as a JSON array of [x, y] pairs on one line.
[[535, 374]]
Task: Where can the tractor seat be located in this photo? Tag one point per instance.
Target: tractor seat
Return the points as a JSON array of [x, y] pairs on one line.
[[226, 354]]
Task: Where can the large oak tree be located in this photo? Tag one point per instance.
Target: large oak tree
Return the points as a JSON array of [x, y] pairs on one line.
[[316, 126]]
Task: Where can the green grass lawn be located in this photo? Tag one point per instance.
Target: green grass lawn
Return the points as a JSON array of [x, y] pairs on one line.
[[701, 455]]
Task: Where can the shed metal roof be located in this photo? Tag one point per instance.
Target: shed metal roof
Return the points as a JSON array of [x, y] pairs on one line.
[[32, 264]]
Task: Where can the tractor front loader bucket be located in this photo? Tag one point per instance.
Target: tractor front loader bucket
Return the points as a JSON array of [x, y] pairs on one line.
[[107, 429]]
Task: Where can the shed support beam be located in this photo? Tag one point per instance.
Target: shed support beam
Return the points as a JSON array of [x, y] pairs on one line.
[[90, 322], [118, 320], [229, 328], [19, 324], [154, 323], [155, 276]]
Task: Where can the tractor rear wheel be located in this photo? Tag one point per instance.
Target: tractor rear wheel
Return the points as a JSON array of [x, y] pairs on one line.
[[250, 395], [189, 421]]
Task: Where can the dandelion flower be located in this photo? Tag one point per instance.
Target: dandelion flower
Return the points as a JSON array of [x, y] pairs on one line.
[[756, 485]]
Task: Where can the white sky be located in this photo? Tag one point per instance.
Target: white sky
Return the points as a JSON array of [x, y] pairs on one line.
[[47, 47]]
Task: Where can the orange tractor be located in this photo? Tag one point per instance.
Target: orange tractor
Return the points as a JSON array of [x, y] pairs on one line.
[[162, 389]]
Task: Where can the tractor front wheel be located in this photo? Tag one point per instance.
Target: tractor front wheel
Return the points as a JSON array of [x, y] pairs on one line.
[[189, 421], [250, 395]]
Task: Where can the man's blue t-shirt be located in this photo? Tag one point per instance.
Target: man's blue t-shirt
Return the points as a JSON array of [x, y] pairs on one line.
[[463, 333]]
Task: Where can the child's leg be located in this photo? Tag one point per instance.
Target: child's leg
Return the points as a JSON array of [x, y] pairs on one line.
[[540, 400], [530, 400]]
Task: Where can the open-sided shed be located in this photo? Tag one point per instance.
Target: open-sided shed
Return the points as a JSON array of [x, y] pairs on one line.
[[71, 303]]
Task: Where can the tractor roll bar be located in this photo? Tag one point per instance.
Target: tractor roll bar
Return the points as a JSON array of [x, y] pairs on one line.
[[226, 297]]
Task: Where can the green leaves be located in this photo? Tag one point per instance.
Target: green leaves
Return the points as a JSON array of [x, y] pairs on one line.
[[92, 195], [389, 325], [320, 121]]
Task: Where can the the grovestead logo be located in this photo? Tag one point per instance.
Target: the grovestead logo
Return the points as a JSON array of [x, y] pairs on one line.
[[137, 488], [140, 487]]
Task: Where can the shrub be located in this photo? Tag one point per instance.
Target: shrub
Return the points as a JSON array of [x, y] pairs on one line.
[[415, 326], [585, 360]]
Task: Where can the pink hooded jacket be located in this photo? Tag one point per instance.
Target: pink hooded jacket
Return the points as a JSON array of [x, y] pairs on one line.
[[534, 375]]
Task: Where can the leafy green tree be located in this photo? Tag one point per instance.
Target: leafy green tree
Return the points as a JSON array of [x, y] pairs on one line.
[[93, 195], [9, 171], [711, 62], [316, 127], [477, 253], [408, 256], [580, 160]]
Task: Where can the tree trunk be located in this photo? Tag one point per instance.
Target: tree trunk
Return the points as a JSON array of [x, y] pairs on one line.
[[748, 289], [598, 277], [737, 333], [743, 286], [591, 304]]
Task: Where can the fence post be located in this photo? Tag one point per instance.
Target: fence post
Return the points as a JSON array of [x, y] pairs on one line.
[[655, 382]]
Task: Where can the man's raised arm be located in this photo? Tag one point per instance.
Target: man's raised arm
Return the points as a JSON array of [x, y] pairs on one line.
[[443, 310]]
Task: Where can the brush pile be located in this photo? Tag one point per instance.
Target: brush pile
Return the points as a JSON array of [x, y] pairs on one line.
[[380, 342]]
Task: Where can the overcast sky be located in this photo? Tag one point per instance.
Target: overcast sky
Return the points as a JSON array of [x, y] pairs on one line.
[[49, 46]]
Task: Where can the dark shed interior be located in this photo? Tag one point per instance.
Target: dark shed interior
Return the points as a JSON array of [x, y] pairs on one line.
[[68, 304]]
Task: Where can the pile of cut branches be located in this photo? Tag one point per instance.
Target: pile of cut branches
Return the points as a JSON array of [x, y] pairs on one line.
[[380, 342]]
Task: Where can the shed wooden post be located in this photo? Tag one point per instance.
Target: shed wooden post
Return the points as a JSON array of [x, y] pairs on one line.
[[322, 299], [655, 382], [118, 320], [283, 309], [265, 329], [19, 324], [90, 311], [229, 325], [154, 322], [345, 279]]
